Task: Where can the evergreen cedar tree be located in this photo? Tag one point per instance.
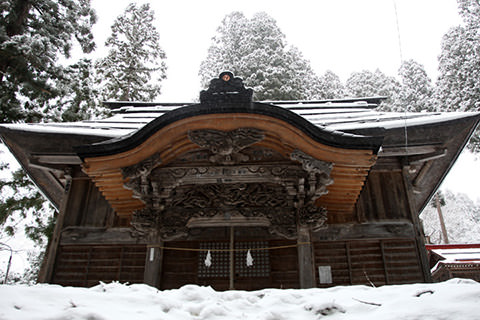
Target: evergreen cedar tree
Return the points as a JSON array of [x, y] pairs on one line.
[[33, 34], [134, 66], [416, 90], [458, 85], [49, 91], [255, 50]]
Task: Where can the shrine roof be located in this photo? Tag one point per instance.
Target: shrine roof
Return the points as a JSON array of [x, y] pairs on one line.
[[347, 115]]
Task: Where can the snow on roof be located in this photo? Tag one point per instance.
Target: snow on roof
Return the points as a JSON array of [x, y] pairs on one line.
[[461, 255], [457, 253], [75, 128], [330, 116]]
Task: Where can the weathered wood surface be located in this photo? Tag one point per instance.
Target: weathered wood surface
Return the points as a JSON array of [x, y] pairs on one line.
[[99, 235], [86, 206], [383, 198], [419, 235], [85, 266], [46, 272], [377, 262], [361, 257], [306, 268], [181, 268], [153, 264], [378, 230], [92, 235]]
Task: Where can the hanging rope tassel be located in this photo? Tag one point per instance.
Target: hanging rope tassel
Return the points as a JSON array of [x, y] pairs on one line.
[[249, 259], [208, 260]]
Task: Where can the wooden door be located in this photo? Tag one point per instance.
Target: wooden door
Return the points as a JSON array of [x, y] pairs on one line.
[[276, 268]]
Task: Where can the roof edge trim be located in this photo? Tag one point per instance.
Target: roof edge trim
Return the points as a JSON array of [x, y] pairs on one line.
[[336, 139]]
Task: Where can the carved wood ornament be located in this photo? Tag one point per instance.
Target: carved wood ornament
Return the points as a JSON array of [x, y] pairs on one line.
[[226, 146], [229, 181]]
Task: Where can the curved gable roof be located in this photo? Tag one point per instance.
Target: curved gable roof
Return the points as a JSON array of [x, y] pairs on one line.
[[319, 134]]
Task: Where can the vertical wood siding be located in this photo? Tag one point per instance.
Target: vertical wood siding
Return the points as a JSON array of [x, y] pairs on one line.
[[85, 266], [367, 262], [383, 197]]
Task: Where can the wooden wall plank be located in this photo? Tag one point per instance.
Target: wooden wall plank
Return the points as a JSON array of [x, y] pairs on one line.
[[88, 265], [369, 262]]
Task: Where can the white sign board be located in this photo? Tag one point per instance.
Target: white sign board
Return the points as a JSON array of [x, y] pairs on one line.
[[325, 274]]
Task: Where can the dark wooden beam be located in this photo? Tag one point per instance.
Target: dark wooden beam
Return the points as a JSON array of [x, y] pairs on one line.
[[89, 235], [422, 173], [419, 236], [66, 159], [353, 231], [406, 151]]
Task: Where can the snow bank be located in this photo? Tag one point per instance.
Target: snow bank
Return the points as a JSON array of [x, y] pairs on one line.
[[453, 299]]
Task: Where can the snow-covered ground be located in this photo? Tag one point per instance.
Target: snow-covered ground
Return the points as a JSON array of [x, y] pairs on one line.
[[453, 299]]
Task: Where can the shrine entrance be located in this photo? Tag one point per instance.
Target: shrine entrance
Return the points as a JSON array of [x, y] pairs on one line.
[[229, 210], [243, 261]]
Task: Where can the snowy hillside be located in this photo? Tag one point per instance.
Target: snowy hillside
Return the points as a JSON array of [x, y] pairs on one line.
[[454, 299]]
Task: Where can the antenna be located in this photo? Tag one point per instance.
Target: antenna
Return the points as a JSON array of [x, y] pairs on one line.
[[398, 31], [401, 60]]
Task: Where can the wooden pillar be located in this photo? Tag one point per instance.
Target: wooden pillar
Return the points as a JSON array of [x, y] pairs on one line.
[[153, 264], [232, 257], [419, 236], [306, 265], [45, 274]]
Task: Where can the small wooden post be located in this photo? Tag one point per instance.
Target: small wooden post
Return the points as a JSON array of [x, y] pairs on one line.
[[153, 264], [305, 259]]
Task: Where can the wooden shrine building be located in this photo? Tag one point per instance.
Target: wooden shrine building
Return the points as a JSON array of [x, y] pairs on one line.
[[449, 261], [239, 194]]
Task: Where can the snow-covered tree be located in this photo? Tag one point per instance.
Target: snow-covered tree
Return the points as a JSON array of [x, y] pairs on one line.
[[416, 91], [458, 84], [470, 12], [134, 66], [368, 84], [461, 216], [24, 212], [255, 49], [329, 86], [80, 94], [33, 33]]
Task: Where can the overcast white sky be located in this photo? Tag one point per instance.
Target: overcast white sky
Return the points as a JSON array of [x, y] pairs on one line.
[[341, 35]]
